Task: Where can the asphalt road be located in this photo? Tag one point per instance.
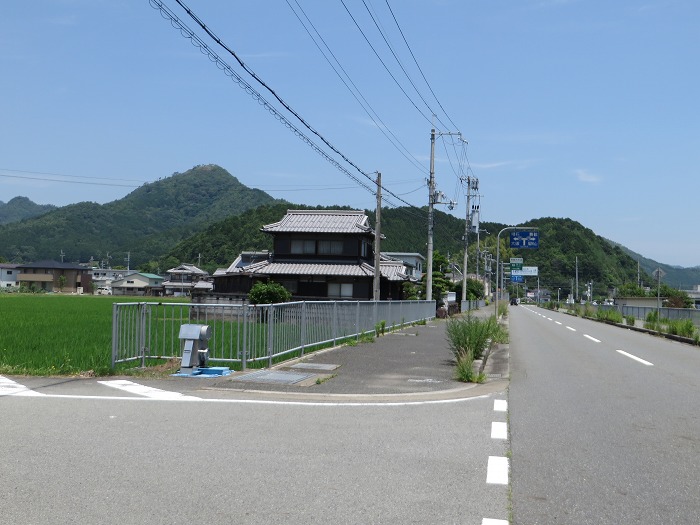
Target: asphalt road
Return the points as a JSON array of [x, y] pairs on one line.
[[116, 459], [599, 436]]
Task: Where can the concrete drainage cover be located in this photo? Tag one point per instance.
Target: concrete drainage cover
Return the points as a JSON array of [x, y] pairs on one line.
[[273, 376], [315, 366]]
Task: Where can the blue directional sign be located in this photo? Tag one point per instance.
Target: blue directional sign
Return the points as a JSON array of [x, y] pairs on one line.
[[517, 278], [524, 239]]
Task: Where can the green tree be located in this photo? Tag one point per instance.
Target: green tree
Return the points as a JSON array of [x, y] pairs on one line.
[[268, 293], [61, 282]]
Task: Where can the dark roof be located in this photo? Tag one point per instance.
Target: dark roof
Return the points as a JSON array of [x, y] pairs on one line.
[[54, 265]]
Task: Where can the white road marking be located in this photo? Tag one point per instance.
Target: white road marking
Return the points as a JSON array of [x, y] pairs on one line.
[[146, 391], [647, 363], [592, 338], [500, 405], [8, 387], [497, 470], [499, 430], [572, 329], [557, 322], [490, 521]]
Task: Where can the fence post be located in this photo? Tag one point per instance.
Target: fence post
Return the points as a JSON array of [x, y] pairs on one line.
[[244, 352], [142, 333], [357, 321], [115, 333], [334, 322], [270, 331], [303, 326]]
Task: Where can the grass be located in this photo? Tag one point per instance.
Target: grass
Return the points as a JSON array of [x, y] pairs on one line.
[[468, 338]]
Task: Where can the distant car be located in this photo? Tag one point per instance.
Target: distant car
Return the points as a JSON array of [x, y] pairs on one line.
[[514, 301]]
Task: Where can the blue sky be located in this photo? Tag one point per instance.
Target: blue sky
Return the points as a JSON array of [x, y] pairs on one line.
[[583, 109]]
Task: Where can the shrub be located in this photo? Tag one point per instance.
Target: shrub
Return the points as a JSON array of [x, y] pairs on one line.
[[681, 327], [630, 320], [610, 315], [470, 335], [268, 293]]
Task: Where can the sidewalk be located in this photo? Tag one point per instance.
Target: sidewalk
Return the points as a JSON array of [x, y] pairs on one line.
[[412, 361]]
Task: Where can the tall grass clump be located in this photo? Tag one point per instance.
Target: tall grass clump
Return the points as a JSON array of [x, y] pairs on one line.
[[609, 315], [469, 338], [682, 328]]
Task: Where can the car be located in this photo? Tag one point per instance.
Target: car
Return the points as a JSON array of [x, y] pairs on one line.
[[514, 302]]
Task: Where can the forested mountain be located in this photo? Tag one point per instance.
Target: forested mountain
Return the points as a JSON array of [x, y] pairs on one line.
[[675, 276], [146, 223], [21, 208]]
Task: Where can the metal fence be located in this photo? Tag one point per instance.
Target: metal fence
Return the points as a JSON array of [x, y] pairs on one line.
[[244, 334], [641, 312]]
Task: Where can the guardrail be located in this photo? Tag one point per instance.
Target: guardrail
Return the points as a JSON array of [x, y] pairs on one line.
[[243, 334]]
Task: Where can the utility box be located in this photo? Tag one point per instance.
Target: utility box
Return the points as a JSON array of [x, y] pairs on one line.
[[195, 350]]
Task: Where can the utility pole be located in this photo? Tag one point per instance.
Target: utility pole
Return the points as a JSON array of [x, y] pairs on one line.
[[472, 185], [377, 238], [431, 201], [576, 296]]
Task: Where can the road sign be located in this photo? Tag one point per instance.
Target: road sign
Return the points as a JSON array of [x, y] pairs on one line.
[[517, 278], [526, 271], [516, 260], [524, 239], [516, 266]]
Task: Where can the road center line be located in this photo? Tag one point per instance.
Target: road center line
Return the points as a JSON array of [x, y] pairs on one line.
[[592, 338], [572, 329], [639, 359]]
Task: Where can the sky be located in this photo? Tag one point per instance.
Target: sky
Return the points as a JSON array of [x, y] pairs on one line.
[[581, 109]]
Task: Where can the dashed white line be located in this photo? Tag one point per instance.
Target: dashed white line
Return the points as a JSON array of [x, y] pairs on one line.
[[558, 322], [639, 359], [490, 521], [591, 338], [497, 470], [572, 329], [499, 430], [500, 405]]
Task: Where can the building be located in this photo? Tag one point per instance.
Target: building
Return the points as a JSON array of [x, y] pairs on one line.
[[8, 276], [54, 276], [413, 261], [138, 284], [185, 278], [317, 255]]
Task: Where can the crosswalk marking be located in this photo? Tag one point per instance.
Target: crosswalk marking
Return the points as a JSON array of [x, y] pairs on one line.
[[147, 391], [8, 387]]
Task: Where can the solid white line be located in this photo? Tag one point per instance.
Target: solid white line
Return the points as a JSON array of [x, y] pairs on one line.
[[499, 430], [491, 521], [572, 329], [8, 387], [592, 338], [146, 391], [647, 363], [497, 470], [500, 405]]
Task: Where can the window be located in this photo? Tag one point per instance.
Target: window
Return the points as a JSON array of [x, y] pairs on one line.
[[343, 290], [9, 272], [303, 246], [330, 247]]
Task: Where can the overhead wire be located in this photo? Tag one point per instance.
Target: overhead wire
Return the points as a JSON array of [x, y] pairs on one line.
[[355, 91], [188, 33]]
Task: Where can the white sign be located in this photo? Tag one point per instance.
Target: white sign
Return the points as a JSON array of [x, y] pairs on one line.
[[527, 271], [516, 260]]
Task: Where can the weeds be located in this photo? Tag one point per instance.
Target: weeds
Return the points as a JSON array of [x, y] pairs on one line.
[[469, 338]]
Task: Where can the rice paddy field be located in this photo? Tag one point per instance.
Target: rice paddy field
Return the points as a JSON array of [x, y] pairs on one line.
[[56, 334]]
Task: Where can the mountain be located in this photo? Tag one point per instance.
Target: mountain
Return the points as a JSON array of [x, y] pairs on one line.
[[145, 224], [21, 208], [675, 276]]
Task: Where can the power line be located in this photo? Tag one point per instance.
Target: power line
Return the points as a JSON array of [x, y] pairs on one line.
[[46, 179], [371, 113]]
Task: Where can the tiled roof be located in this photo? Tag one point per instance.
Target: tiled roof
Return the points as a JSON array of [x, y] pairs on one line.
[[392, 271], [321, 221]]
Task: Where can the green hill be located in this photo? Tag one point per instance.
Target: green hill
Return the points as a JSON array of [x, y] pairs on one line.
[[146, 223], [21, 208]]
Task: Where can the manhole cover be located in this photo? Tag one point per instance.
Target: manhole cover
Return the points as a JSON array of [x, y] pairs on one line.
[[273, 376], [315, 366]]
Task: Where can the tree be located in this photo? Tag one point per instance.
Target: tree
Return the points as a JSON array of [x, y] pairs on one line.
[[268, 293], [61, 282]]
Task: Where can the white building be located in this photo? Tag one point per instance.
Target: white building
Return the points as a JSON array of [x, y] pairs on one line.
[[8, 275]]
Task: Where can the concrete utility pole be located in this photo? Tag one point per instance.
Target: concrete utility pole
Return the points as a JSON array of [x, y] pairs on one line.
[[377, 238], [472, 185], [431, 203]]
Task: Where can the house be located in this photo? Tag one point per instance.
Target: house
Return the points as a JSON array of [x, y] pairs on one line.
[[183, 279], [8, 275], [138, 284], [102, 277], [54, 276], [413, 261], [317, 255]]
